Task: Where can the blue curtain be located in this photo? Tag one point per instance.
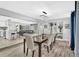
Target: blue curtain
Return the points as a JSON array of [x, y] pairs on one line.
[[73, 29]]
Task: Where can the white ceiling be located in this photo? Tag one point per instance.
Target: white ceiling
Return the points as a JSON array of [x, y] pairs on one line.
[[58, 9]]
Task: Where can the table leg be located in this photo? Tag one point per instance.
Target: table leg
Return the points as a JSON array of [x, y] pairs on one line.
[[24, 45], [55, 38], [39, 50]]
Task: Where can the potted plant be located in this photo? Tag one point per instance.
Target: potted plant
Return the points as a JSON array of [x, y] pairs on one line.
[[60, 28]]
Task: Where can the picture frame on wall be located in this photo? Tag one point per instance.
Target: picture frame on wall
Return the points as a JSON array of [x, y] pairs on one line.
[[45, 26], [67, 26]]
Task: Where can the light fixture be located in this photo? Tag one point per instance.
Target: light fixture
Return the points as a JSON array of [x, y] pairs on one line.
[[44, 12], [44, 15]]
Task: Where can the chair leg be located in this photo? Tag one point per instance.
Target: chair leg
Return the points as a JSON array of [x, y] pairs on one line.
[[54, 39], [47, 49], [33, 53], [51, 46], [27, 52]]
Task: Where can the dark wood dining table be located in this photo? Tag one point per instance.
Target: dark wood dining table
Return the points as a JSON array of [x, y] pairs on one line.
[[39, 45]]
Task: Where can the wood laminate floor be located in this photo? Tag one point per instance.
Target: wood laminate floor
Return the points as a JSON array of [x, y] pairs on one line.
[[60, 49]]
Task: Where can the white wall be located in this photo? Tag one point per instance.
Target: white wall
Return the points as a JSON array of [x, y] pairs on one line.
[[66, 32], [2, 23], [42, 30], [64, 21]]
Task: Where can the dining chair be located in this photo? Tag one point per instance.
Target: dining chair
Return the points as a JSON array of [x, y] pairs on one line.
[[48, 43], [16, 36], [30, 45], [12, 36]]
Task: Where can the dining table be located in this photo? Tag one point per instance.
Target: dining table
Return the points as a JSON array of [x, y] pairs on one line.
[[39, 45], [38, 42]]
